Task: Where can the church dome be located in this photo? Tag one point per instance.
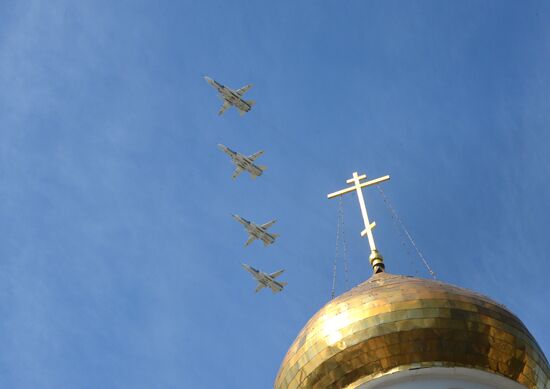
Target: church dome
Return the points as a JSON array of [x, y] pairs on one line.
[[390, 324]]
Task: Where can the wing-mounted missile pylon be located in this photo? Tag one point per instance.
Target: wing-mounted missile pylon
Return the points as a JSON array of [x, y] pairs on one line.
[[266, 280], [232, 97], [244, 163], [256, 231]]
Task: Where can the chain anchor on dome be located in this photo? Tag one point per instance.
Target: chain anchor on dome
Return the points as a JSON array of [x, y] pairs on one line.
[[375, 258]]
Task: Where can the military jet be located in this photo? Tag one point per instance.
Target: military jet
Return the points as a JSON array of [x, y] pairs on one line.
[[232, 97], [257, 232], [242, 162], [266, 280]]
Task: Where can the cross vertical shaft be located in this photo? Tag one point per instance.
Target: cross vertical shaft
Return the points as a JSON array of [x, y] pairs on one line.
[[368, 227], [375, 258]]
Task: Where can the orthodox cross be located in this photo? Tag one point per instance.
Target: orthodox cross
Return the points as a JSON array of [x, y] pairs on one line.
[[375, 258]]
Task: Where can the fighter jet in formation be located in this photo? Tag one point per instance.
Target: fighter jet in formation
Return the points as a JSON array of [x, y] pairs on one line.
[[232, 97], [257, 232], [242, 162], [266, 280]]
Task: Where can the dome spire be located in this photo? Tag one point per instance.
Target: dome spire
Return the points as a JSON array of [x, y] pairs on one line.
[[376, 259]]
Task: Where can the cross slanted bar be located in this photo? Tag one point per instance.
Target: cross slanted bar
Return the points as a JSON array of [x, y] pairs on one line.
[[375, 258]]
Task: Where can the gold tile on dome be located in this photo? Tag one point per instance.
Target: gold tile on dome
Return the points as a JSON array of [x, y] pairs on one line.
[[392, 323]]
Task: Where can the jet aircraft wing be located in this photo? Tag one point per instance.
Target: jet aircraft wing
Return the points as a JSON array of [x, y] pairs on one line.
[[259, 287], [276, 274], [237, 172], [243, 90], [225, 105], [255, 155], [268, 224], [250, 240]]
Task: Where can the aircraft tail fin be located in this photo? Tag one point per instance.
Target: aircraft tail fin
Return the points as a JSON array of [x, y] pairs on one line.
[[279, 288], [256, 175], [250, 104]]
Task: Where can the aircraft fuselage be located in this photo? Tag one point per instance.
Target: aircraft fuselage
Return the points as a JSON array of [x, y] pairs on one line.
[[259, 233], [244, 163], [230, 96], [265, 279], [256, 232]]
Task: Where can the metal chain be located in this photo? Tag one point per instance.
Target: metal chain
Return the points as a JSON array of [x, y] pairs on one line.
[[402, 225], [336, 252], [345, 245]]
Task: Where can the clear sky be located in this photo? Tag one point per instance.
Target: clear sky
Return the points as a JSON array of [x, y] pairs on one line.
[[119, 260]]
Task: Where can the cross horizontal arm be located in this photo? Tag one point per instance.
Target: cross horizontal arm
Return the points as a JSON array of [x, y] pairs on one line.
[[352, 188]]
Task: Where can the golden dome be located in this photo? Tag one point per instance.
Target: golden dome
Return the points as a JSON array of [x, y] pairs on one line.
[[393, 323]]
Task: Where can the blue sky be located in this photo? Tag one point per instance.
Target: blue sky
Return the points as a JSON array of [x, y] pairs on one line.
[[119, 261]]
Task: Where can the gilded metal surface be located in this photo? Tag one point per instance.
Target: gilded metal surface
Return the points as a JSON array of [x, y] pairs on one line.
[[392, 323], [352, 188], [378, 266]]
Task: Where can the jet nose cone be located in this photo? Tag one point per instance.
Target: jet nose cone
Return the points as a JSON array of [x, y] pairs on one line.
[[221, 147], [208, 79]]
